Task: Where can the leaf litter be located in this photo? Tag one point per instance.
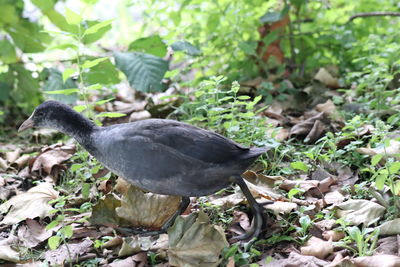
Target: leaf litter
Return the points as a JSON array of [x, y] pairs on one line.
[[193, 240]]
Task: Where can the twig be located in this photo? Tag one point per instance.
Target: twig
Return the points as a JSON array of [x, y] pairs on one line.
[[374, 14]]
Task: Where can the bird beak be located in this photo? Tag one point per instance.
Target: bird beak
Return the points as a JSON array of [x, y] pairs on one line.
[[27, 124]]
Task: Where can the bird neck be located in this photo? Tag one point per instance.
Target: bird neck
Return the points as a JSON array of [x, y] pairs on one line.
[[77, 126]]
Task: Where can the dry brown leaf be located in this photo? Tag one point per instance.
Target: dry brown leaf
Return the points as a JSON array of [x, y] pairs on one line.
[[195, 242], [287, 185], [146, 209], [229, 201], [140, 115], [388, 246], [121, 186], [328, 108], [33, 233], [377, 261], [333, 235], [334, 197], [357, 211], [50, 158], [104, 213], [279, 207], [21, 161], [391, 227], [134, 244], [312, 128], [3, 164], [325, 225], [30, 204], [12, 156], [138, 260], [64, 253], [326, 78], [317, 247], [295, 260], [9, 254]]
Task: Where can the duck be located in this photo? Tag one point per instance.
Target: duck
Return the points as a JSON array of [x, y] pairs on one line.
[[161, 156]]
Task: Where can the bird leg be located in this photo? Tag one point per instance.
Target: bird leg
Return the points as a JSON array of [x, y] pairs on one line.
[[185, 201], [256, 210]]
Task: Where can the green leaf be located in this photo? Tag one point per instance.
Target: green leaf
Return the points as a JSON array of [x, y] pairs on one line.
[[375, 159], [186, 47], [67, 231], [79, 108], [63, 46], [72, 17], [67, 73], [89, 38], [103, 73], [298, 165], [91, 63], [96, 86], [270, 17], [54, 242], [52, 224], [7, 52], [101, 102], [85, 190], [63, 91], [111, 114], [53, 81], [380, 181], [96, 27], [29, 36], [144, 72], [9, 14], [151, 45], [394, 167]]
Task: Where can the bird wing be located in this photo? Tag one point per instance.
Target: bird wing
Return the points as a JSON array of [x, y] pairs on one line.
[[189, 140]]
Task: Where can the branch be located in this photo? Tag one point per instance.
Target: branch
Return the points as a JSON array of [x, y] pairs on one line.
[[375, 14]]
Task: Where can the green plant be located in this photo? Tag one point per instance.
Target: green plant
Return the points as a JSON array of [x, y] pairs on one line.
[[241, 256], [365, 240], [226, 112]]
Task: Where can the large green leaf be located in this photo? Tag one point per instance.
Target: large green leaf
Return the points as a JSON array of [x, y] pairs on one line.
[[29, 36], [144, 72], [26, 92], [7, 52], [96, 35], [186, 47], [150, 45], [54, 81], [103, 73]]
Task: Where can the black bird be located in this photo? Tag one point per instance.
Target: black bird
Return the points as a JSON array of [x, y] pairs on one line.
[[158, 155]]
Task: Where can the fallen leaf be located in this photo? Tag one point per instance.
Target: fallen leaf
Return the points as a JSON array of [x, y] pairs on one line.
[[279, 207], [9, 254], [195, 242], [357, 211], [140, 115], [317, 247], [104, 213], [333, 235], [312, 128], [67, 252], [377, 261], [146, 209], [295, 260], [21, 161], [138, 260], [334, 197], [328, 108], [326, 78], [30, 204], [51, 157], [388, 245], [391, 227], [3, 164], [33, 233], [134, 244], [12, 156]]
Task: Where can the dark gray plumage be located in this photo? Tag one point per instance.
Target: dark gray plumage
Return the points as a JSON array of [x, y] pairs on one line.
[[161, 156]]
